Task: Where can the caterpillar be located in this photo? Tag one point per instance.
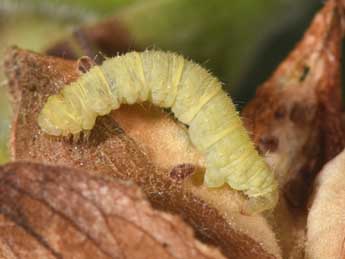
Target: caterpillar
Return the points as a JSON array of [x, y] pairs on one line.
[[195, 98]]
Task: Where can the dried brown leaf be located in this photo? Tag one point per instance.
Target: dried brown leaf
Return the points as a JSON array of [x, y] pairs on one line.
[[295, 120], [296, 114], [57, 212], [148, 148]]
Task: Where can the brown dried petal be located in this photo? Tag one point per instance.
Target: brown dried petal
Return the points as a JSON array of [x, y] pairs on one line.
[[56, 212], [145, 149]]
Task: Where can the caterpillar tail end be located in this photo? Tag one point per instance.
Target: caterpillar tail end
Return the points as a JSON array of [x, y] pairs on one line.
[[255, 203], [258, 204]]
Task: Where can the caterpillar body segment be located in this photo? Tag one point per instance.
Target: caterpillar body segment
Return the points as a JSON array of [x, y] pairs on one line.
[[195, 97]]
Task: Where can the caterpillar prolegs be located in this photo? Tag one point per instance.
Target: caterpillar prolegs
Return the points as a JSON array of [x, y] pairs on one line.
[[194, 96]]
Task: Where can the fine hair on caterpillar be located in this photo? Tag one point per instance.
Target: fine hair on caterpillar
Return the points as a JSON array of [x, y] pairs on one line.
[[194, 96]]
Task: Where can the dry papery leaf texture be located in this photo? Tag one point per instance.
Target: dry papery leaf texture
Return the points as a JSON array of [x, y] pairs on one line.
[[326, 235], [295, 121], [140, 143], [59, 212]]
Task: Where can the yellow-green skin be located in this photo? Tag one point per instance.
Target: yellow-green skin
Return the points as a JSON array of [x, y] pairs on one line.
[[195, 97]]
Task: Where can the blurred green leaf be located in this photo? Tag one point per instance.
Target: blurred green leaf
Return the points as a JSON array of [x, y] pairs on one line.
[[225, 36], [222, 35], [99, 7]]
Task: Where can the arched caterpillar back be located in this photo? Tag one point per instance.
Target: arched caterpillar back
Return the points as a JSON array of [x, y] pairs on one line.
[[195, 97]]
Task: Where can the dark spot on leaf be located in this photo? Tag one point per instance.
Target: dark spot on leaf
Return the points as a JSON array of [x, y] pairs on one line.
[[305, 72], [181, 172], [280, 112], [85, 63], [268, 143]]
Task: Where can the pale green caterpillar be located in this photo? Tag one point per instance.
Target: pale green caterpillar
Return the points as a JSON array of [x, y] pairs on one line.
[[194, 96]]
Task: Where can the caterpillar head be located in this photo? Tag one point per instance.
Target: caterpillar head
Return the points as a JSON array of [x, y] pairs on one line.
[[59, 118]]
